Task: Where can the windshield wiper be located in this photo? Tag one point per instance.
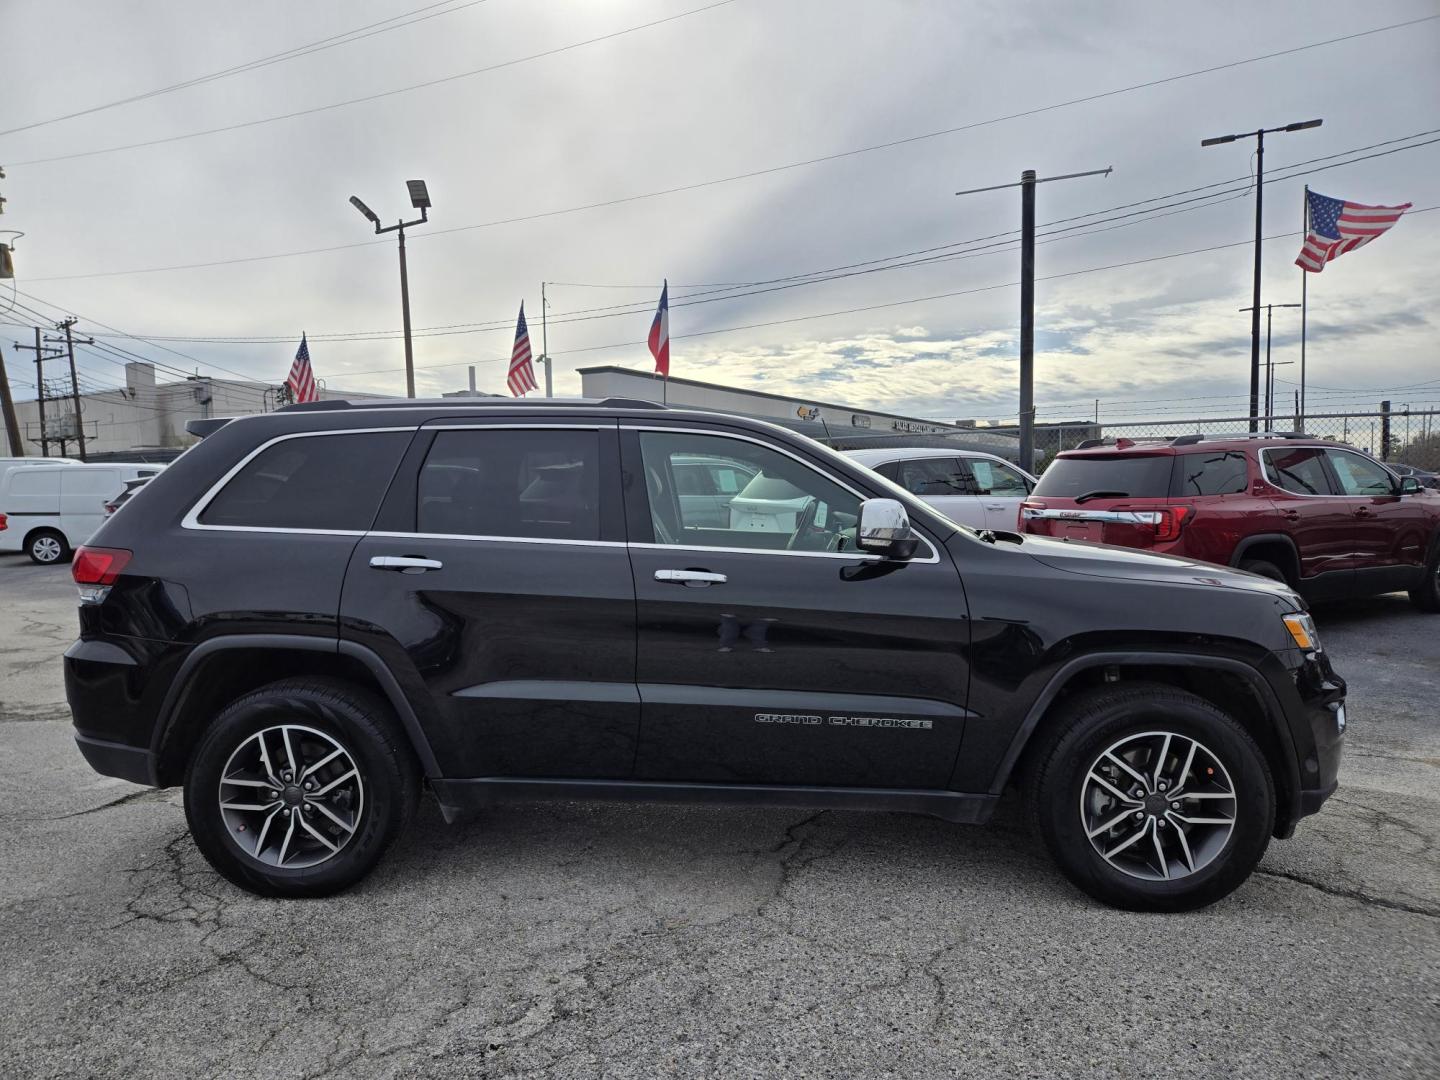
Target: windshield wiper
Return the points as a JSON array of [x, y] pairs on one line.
[[1101, 494]]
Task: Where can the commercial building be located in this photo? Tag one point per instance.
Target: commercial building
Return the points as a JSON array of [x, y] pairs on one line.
[[143, 419], [845, 427]]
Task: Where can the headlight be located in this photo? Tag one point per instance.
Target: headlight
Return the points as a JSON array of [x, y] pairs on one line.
[[1302, 629]]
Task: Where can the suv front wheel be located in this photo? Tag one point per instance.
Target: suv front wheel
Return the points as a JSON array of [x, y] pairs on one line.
[[299, 787], [1151, 798]]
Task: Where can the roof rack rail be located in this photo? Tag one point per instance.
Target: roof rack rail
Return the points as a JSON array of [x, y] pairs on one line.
[[207, 426], [472, 403]]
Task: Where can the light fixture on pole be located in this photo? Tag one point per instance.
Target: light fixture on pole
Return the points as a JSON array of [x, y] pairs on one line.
[[420, 200], [1259, 137]]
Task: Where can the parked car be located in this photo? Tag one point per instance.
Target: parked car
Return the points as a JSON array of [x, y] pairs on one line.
[[1324, 518], [48, 510], [131, 487], [327, 607], [972, 488], [1430, 480]]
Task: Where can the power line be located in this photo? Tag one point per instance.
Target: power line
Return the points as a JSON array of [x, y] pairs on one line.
[[1287, 170], [386, 93], [975, 247], [349, 37]]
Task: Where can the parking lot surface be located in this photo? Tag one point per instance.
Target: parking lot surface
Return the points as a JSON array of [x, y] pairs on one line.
[[636, 941]]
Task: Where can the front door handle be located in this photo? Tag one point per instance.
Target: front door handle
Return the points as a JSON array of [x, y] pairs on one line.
[[692, 578], [995, 506], [1292, 515], [1363, 512], [406, 564]]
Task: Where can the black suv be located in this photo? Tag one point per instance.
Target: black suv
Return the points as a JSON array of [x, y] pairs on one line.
[[316, 612]]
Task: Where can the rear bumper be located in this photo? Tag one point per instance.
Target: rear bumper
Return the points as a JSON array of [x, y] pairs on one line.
[[132, 763]]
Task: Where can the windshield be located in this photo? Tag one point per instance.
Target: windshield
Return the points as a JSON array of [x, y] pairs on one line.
[[1137, 476]]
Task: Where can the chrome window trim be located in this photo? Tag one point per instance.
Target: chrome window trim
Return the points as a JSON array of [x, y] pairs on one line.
[[496, 539], [191, 520], [933, 557]]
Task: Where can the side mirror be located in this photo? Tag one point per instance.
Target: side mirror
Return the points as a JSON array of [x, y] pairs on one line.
[[1409, 485], [884, 529]]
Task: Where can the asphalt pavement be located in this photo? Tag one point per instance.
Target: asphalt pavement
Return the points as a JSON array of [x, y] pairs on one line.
[[580, 940]]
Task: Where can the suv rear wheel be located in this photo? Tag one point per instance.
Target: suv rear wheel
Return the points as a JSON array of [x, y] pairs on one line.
[[299, 787], [1152, 799]]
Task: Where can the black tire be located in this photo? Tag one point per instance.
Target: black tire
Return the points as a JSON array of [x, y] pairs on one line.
[[1264, 569], [47, 547], [1095, 720], [1426, 595], [363, 726]]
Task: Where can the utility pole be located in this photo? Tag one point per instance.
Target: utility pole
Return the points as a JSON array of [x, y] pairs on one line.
[[1259, 136], [40, 357], [1384, 431], [65, 325], [7, 408], [1027, 183]]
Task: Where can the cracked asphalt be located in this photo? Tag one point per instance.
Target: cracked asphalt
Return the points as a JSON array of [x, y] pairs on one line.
[[586, 940]]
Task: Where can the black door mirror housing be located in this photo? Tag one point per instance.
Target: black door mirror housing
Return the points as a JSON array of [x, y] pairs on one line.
[[884, 529], [1409, 486]]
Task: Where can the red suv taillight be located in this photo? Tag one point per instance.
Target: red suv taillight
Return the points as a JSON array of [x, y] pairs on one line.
[[95, 570], [1170, 521], [3, 523]]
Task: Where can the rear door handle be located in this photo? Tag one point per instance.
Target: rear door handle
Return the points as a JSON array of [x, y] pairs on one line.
[[1292, 515], [406, 564], [692, 578]]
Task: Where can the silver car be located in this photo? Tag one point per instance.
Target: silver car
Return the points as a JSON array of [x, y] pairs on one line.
[[969, 487]]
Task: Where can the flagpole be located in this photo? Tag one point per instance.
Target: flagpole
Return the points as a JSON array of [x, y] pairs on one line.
[[1304, 287], [545, 342]]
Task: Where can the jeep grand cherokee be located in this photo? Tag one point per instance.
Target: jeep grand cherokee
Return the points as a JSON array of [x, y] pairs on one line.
[[315, 613]]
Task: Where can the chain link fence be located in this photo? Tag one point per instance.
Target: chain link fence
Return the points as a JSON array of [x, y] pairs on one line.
[[1400, 437]]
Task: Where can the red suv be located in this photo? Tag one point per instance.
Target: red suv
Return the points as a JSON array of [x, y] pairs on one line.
[[1323, 517]]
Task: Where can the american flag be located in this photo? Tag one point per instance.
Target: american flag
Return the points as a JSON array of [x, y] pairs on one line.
[[522, 371], [1338, 226], [302, 380], [660, 333]]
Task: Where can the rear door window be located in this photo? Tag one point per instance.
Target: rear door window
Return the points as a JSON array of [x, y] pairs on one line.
[[1136, 476], [542, 484], [1300, 470], [926, 477], [331, 482], [1215, 473]]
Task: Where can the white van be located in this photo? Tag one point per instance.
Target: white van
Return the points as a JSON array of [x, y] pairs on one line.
[[8, 463], [47, 511]]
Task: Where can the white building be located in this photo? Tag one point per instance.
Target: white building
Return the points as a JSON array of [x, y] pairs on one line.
[[144, 414], [846, 427]]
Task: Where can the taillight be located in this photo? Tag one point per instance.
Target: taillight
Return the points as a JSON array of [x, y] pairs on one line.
[[3, 525], [1170, 520], [95, 570], [97, 565]]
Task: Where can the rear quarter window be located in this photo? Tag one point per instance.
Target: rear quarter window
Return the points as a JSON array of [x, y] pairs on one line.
[[1138, 476], [1212, 473], [311, 482]]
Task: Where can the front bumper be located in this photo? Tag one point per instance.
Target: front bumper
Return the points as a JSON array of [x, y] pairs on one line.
[[1313, 699]]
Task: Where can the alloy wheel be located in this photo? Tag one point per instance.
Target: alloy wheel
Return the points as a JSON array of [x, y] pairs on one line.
[[291, 796], [1158, 805], [46, 549]]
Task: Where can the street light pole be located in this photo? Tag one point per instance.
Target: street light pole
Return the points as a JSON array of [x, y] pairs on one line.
[[1027, 183], [420, 200], [1259, 136]]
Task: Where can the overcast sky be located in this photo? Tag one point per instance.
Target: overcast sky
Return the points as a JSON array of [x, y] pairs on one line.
[[744, 86]]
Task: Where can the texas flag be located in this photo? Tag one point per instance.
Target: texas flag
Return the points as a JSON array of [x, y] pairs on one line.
[[660, 333]]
